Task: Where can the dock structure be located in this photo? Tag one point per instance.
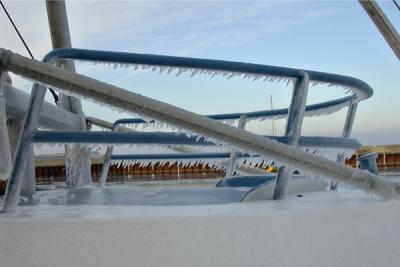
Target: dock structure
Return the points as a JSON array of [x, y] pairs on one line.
[[50, 174]]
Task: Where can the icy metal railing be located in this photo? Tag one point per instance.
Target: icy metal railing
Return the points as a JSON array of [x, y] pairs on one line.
[[323, 108], [95, 90], [174, 139], [231, 69], [168, 64], [108, 155], [312, 144]]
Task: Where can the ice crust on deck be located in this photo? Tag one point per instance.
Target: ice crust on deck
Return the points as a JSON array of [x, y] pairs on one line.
[[308, 229]]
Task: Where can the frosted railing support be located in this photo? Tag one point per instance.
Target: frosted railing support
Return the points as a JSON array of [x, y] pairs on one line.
[[28, 187], [9, 133], [107, 156], [107, 160], [106, 165], [132, 102], [23, 148], [348, 126], [293, 130], [230, 170], [77, 158]]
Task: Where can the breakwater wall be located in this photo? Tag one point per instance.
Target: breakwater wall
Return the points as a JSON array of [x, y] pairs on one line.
[[50, 174], [53, 170]]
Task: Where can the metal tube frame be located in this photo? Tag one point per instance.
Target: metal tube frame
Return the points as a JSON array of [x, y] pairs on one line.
[[346, 132], [293, 130], [129, 101], [24, 145], [234, 154], [363, 90], [107, 157], [77, 164], [100, 137]]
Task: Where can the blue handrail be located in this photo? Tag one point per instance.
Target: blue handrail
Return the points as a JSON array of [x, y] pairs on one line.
[[172, 139], [264, 113], [364, 91], [210, 64]]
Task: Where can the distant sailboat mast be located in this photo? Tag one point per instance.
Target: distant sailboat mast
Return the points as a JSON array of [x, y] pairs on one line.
[[272, 120]]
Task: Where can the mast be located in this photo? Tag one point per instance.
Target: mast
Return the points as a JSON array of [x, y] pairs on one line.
[[77, 164], [272, 120]]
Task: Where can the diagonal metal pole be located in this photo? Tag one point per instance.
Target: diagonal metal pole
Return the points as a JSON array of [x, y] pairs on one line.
[[383, 24], [24, 146], [9, 134], [293, 130]]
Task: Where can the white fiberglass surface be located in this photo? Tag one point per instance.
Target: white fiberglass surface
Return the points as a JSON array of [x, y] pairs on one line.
[[344, 197]]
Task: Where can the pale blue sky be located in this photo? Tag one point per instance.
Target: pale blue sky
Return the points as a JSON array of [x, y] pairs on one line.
[[336, 37]]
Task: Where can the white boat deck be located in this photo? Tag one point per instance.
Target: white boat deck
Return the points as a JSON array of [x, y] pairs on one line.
[[344, 228]]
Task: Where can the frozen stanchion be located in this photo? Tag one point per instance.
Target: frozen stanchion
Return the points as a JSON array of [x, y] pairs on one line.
[[28, 187], [230, 170], [297, 109], [5, 154], [9, 133], [368, 162]]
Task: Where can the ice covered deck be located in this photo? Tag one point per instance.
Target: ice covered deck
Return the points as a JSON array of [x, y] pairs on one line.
[[342, 228], [127, 196]]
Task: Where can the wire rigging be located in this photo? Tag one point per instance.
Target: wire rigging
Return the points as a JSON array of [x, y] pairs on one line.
[[397, 4], [55, 96]]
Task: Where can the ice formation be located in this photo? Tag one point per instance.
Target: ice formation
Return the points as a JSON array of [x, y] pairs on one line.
[[132, 102]]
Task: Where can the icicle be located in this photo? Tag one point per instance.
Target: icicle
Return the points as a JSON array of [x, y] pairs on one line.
[[233, 74], [180, 71], [170, 69], [194, 72], [256, 77], [162, 69], [216, 72]]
